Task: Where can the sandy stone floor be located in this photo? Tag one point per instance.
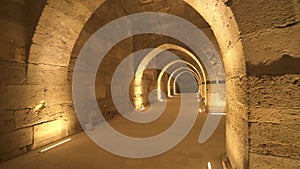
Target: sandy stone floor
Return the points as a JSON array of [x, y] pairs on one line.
[[82, 153]]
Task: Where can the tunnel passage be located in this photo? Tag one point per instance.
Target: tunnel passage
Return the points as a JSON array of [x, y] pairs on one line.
[[40, 66]]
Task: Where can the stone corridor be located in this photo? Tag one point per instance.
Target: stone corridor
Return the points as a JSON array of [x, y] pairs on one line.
[[68, 66], [81, 152]]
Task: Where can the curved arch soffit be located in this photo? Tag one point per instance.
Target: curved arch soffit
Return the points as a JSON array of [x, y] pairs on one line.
[[174, 84], [177, 70], [153, 53], [165, 69]]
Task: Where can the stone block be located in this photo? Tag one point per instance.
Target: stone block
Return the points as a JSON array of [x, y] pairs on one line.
[[74, 9], [258, 161], [6, 121], [274, 91], [252, 14], [15, 140], [275, 139], [44, 113], [49, 55], [234, 63], [236, 90], [12, 50], [12, 72], [237, 143], [104, 13], [46, 74], [268, 46], [24, 96], [58, 94], [49, 132], [275, 115], [63, 35]]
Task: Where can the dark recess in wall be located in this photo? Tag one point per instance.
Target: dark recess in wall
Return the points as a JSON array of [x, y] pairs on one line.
[[285, 65]]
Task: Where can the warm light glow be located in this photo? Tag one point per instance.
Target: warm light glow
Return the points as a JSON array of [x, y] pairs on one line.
[[138, 90], [142, 108], [55, 145], [222, 114], [209, 165], [200, 110]]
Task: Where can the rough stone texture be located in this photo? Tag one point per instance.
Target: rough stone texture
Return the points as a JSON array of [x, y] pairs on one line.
[[51, 55], [46, 74], [251, 14], [237, 122], [275, 91], [6, 121], [24, 96], [234, 58], [11, 142], [257, 36], [258, 161], [269, 45], [12, 72], [46, 133], [274, 120]]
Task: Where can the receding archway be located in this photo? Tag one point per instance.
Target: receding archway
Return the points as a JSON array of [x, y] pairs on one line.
[[180, 69], [218, 16]]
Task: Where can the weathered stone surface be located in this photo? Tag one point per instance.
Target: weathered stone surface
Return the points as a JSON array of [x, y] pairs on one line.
[[251, 14], [49, 132], [275, 115], [275, 139], [15, 140], [12, 72], [46, 74], [24, 96], [58, 94], [74, 9], [258, 161], [12, 50], [236, 122], [6, 121], [274, 91], [270, 45], [49, 55], [41, 114], [62, 36], [234, 63]]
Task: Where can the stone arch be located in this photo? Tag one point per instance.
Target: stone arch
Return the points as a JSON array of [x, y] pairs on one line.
[[57, 32], [167, 46], [179, 69], [165, 69], [179, 74]]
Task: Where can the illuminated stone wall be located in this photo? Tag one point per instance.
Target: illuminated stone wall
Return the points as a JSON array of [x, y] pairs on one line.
[[259, 42]]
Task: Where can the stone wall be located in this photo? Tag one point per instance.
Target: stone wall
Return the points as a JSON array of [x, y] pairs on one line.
[[270, 38], [16, 130], [259, 44]]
